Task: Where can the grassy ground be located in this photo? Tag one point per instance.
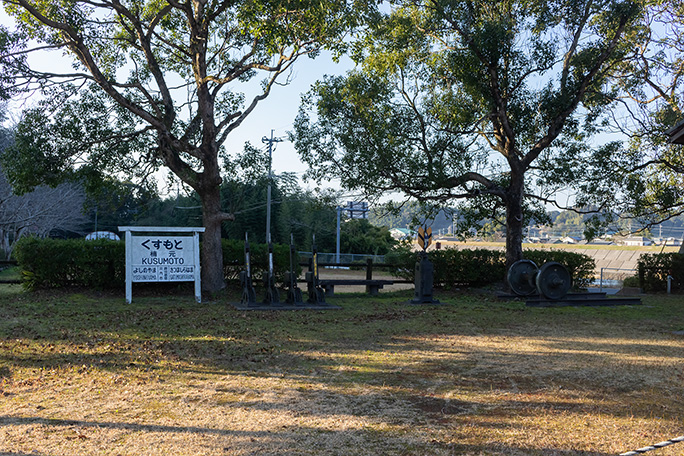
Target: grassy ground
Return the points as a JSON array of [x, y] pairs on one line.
[[85, 374], [11, 273]]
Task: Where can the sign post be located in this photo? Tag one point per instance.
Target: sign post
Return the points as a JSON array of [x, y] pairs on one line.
[[162, 254], [424, 272]]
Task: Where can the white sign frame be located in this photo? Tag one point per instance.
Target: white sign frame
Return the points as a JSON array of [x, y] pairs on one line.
[[164, 234]]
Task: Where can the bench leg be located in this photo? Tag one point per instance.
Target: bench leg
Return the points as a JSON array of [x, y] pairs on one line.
[[329, 290], [373, 290]]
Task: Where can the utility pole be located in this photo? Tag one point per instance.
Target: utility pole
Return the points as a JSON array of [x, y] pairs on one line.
[[268, 190], [337, 254]]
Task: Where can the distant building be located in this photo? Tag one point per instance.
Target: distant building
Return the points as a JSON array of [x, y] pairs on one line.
[[637, 241], [600, 242], [402, 233]]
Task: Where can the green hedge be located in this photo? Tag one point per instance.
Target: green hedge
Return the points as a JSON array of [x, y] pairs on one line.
[[480, 267], [56, 263], [53, 263], [234, 259], [580, 266], [452, 267], [654, 269]]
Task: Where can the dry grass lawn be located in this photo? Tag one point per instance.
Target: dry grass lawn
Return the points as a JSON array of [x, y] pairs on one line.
[[82, 374]]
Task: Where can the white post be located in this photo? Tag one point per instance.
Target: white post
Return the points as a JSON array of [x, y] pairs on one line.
[[129, 268], [198, 275], [337, 257], [669, 284]]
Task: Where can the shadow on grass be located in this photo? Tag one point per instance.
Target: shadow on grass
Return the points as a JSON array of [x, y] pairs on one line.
[[103, 333], [289, 434], [23, 454], [14, 421], [472, 345]]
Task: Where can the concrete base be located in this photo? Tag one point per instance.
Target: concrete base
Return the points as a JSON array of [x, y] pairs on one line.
[[583, 302], [629, 291], [284, 306], [426, 302]]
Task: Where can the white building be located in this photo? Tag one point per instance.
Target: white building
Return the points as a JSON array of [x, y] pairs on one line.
[[637, 241]]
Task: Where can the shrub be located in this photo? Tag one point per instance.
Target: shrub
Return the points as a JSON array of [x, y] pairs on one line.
[[581, 267], [100, 264], [654, 269], [474, 268], [631, 282], [51, 263], [452, 267], [234, 259], [402, 261], [480, 267]]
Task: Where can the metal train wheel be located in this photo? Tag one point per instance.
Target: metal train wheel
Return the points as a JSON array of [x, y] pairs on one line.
[[521, 277], [554, 281]]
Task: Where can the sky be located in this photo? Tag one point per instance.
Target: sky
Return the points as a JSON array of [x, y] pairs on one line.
[[277, 112]]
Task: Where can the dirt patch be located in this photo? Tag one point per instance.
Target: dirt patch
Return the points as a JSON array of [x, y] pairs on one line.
[[438, 407]]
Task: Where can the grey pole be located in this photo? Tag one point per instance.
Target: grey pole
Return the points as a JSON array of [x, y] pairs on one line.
[[337, 256], [268, 189]]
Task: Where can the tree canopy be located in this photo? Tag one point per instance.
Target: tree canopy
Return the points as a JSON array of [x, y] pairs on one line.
[[647, 181], [491, 103], [158, 83]]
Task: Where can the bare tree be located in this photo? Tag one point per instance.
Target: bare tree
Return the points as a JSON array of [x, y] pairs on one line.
[[39, 212]]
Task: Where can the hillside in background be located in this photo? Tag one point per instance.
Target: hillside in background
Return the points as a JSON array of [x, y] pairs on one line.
[[563, 224]]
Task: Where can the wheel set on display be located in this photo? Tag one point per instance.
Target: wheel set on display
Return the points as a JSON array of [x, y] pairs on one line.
[[552, 280]]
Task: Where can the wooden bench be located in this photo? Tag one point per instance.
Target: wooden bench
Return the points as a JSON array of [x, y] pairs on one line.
[[372, 286]]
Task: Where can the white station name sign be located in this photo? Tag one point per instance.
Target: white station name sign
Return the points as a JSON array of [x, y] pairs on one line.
[[163, 258], [162, 254]]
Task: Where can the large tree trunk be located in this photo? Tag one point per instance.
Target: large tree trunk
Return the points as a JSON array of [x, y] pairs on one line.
[[514, 219], [207, 184], [213, 279]]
